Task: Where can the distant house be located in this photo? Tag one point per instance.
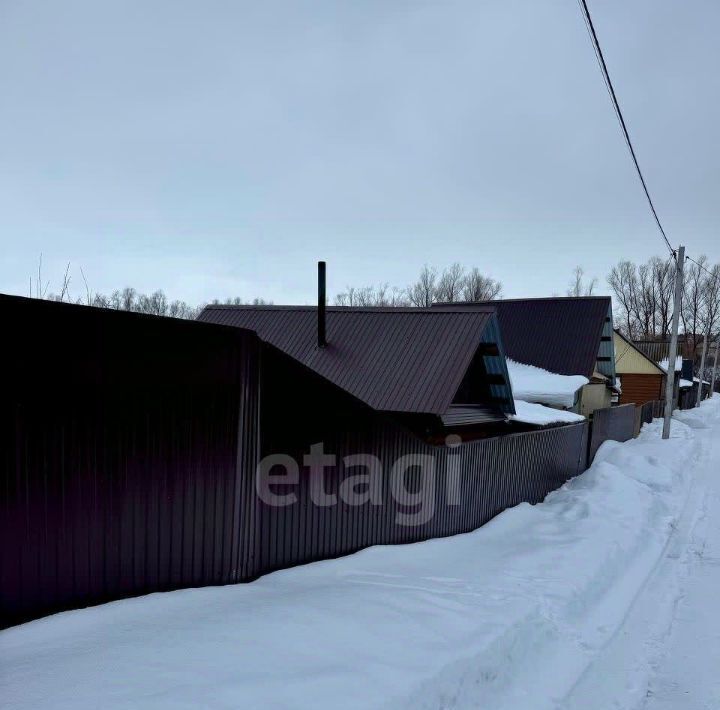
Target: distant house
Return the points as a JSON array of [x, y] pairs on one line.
[[641, 379], [564, 336]]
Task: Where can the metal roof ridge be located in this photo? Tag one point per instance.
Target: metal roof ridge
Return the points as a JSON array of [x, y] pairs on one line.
[[486, 308], [524, 299]]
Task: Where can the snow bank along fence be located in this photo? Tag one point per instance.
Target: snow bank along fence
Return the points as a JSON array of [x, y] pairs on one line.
[[613, 423], [647, 412], [129, 452], [467, 486]]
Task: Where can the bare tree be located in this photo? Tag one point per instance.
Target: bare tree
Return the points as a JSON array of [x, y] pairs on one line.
[[645, 302], [578, 286], [365, 296], [65, 290], [127, 299], [710, 319], [450, 284], [694, 301], [644, 296], [623, 282], [663, 273], [711, 307], [422, 293], [477, 287], [41, 287]]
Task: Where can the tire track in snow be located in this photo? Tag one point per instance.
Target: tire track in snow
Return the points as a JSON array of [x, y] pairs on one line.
[[622, 674]]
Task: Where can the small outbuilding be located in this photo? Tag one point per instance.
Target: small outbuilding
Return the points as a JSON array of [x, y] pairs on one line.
[[641, 379]]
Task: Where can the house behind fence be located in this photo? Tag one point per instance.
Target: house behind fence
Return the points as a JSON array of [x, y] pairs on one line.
[[566, 336], [135, 448]]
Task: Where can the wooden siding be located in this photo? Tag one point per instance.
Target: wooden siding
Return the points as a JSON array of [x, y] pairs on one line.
[[631, 360], [639, 389]]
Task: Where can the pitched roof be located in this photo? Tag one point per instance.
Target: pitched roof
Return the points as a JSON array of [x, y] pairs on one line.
[[393, 359], [561, 335], [631, 347]]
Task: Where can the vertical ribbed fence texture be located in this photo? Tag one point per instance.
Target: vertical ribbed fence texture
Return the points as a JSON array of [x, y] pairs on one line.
[[688, 397], [645, 413], [611, 424], [126, 442], [443, 491], [652, 410]]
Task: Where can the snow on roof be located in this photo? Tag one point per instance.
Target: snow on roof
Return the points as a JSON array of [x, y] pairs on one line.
[[530, 413], [685, 383], [533, 384], [663, 364]]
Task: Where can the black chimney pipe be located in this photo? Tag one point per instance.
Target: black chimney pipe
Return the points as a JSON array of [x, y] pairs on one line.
[[321, 333]]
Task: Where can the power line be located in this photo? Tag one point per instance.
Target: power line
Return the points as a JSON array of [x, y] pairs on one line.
[[616, 105], [707, 271]]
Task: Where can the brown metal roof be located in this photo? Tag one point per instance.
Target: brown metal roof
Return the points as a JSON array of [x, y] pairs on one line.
[[561, 335], [393, 359]]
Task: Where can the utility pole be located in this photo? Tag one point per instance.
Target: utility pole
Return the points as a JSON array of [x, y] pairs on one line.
[[701, 376], [672, 354], [714, 375]]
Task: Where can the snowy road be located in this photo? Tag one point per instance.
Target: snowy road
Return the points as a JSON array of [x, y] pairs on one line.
[[607, 595], [666, 654], [688, 673]]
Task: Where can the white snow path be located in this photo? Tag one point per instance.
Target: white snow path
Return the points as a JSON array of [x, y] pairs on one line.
[[688, 674], [666, 654], [603, 597]]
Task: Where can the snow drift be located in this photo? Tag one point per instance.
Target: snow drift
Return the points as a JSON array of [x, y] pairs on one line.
[[533, 384], [530, 413]]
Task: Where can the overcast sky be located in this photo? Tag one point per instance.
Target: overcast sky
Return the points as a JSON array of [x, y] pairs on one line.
[[220, 148]]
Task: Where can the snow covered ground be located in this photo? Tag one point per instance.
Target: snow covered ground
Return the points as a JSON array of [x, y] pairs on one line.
[[604, 596]]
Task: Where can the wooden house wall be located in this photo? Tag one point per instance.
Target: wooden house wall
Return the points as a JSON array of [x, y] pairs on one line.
[[639, 389]]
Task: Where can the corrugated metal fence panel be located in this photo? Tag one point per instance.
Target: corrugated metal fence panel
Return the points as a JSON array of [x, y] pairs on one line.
[[688, 397], [469, 485], [612, 423], [122, 470], [647, 412]]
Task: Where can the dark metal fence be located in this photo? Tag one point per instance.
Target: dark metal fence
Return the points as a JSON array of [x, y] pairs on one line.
[[121, 470], [129, 446], [688, 397], [647, 412], [468, 486], [613, 423]]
